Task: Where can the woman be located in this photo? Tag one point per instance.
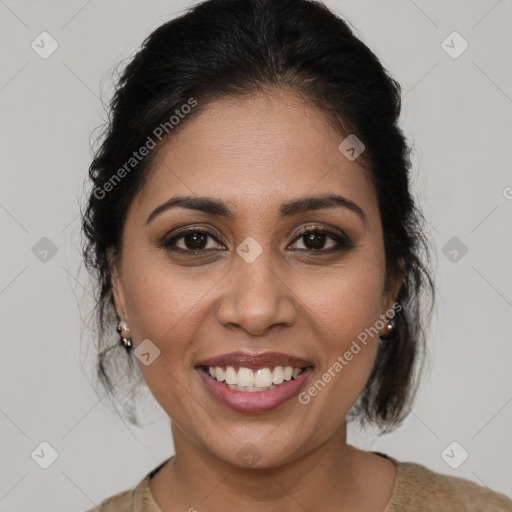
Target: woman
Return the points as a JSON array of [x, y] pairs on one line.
[[254, 237]]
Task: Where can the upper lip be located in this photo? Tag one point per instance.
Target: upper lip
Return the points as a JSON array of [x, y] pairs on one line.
[[254, 360]]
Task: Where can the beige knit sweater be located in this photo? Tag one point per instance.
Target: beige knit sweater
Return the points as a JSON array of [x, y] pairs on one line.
[[417, 489]]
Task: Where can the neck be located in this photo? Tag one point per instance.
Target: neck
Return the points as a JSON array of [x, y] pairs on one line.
[[202, 481]]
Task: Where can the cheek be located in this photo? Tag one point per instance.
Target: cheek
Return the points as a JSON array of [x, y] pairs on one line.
[[161, 303], [344, 301], [164, 310], [159, 310], [345, 306]]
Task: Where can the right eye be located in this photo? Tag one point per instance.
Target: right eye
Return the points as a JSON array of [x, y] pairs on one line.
[[194, 241]]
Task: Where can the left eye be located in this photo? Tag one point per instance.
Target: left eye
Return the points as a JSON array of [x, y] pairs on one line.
[[315, 238]]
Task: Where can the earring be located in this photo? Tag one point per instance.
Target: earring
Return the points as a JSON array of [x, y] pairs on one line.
[[390, 326], [121, 328]]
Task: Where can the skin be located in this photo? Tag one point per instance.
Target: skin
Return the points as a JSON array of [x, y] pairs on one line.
[[254, 153]]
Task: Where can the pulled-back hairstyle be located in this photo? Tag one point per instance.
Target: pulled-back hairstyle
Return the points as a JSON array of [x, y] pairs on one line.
[[232, 48]]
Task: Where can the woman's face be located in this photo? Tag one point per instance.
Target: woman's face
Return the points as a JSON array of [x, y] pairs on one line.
[[255, 286]]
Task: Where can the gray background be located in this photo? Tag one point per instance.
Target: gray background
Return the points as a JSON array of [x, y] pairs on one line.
[[456, 110]]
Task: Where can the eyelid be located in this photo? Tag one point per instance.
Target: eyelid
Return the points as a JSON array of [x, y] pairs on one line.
[[330, 231]]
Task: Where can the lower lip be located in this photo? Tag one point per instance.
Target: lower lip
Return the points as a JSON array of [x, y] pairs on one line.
[[256, 401]]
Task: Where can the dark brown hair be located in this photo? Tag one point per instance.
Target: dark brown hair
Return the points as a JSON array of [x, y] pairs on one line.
[[235, 47]]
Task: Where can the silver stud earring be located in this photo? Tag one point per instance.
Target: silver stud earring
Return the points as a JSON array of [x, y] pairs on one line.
[[122, 328], [390, 326]]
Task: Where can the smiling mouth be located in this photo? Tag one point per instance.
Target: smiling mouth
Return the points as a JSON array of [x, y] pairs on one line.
[[253, 379]]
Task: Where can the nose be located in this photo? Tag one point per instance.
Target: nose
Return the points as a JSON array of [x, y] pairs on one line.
[[257, 296]]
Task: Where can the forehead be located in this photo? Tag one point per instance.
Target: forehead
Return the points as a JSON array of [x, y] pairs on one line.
[[256, 151]]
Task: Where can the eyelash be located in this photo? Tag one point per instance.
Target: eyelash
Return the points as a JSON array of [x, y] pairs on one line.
[[343, 242]]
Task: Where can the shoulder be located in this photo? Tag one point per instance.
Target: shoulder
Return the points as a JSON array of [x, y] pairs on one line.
[[427, 491], [121, 502], [138, 499]]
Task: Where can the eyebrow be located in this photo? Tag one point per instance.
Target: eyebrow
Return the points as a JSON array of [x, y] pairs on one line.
[[288, 209]]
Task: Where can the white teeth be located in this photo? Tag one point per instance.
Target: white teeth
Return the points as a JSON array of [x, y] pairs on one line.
[[260, 379], [231, 376], [263, 378], [220, 375], [245, 377], [278, 375]]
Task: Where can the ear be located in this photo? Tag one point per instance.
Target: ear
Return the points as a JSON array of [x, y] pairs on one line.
[[117, 285]]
